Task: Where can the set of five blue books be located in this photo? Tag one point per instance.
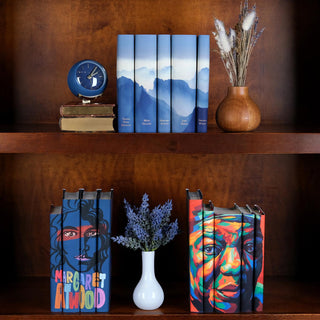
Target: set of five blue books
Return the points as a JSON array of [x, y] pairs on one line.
[[80, 255], [163, 83]]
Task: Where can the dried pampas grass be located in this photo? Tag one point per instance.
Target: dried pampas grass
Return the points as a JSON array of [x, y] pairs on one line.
[[235, 47]]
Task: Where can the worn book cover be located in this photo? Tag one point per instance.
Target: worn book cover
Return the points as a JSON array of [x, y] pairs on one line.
[[195, 217], [87, 124], [79, 109], [56, 284]]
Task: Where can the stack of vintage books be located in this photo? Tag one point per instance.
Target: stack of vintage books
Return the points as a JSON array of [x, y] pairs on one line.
[[87, 117]]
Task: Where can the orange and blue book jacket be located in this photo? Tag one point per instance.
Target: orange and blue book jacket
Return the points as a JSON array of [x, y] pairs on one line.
[[195, 215], [80, 245], [226, 257]]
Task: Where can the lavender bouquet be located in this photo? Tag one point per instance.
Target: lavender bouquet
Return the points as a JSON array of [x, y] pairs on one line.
[[236, 47], [148, 230]]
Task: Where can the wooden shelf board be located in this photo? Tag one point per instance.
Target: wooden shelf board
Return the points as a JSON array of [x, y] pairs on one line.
[[284, 299], [266, 140]]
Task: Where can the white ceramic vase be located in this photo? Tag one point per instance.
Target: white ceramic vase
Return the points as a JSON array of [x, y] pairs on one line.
[[148, 294]]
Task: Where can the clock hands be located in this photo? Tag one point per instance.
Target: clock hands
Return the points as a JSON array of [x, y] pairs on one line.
[[93, 73]]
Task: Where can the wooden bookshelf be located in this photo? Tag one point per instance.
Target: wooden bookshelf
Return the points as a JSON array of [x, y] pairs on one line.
[[277, 166], [266, 140], [282, 297]]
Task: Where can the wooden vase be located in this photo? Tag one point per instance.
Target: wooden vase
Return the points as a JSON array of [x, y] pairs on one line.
[[238, 112]]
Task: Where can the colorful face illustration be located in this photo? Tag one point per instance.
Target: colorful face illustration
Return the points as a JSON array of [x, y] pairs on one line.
[[87, 235], [83, 233], [228, 261]]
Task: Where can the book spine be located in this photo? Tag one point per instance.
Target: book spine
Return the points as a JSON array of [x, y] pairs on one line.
[[125, 82], [227, 263], [103, 277], [145, 83], [56, 273], [88, 251], [87, 111], [203, 64], [247, 265], [208, 257], [164, 83], [71, 251], [195, 217], [259, 260], [184, 71]]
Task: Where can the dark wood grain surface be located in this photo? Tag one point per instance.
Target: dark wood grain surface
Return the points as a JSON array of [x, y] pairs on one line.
[[42, 40], [277, 166]]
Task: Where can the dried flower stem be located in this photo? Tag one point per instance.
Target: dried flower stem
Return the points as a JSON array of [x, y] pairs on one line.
[[236, 54]]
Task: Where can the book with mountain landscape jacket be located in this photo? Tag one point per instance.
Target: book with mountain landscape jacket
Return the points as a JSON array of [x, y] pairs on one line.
[[145, 61], [184, 74], [125, 82], [203, 61], [164, 83]]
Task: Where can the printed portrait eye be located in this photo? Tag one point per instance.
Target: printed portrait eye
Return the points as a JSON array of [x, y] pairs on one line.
[[249, 247], [69, 234], [91, 233], [212, 250], [209, 249]]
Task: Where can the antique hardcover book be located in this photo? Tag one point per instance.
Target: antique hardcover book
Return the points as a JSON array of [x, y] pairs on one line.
[[125, 82], [195, 217], [203, 64], [80, 109], [56, 284], [145, 64], [91, 124], [184, 75], [164, 83]]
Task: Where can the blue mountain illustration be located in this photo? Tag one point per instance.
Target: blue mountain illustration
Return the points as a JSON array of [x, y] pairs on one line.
[[183, 111], [126, 98], [164, 103], [202, 99], [183, 107], [145, 110]]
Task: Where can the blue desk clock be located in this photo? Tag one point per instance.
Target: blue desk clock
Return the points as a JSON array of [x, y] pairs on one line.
[[87, 79]]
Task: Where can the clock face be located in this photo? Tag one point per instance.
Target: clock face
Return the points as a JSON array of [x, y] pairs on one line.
[[87, 78], [90, 76]]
